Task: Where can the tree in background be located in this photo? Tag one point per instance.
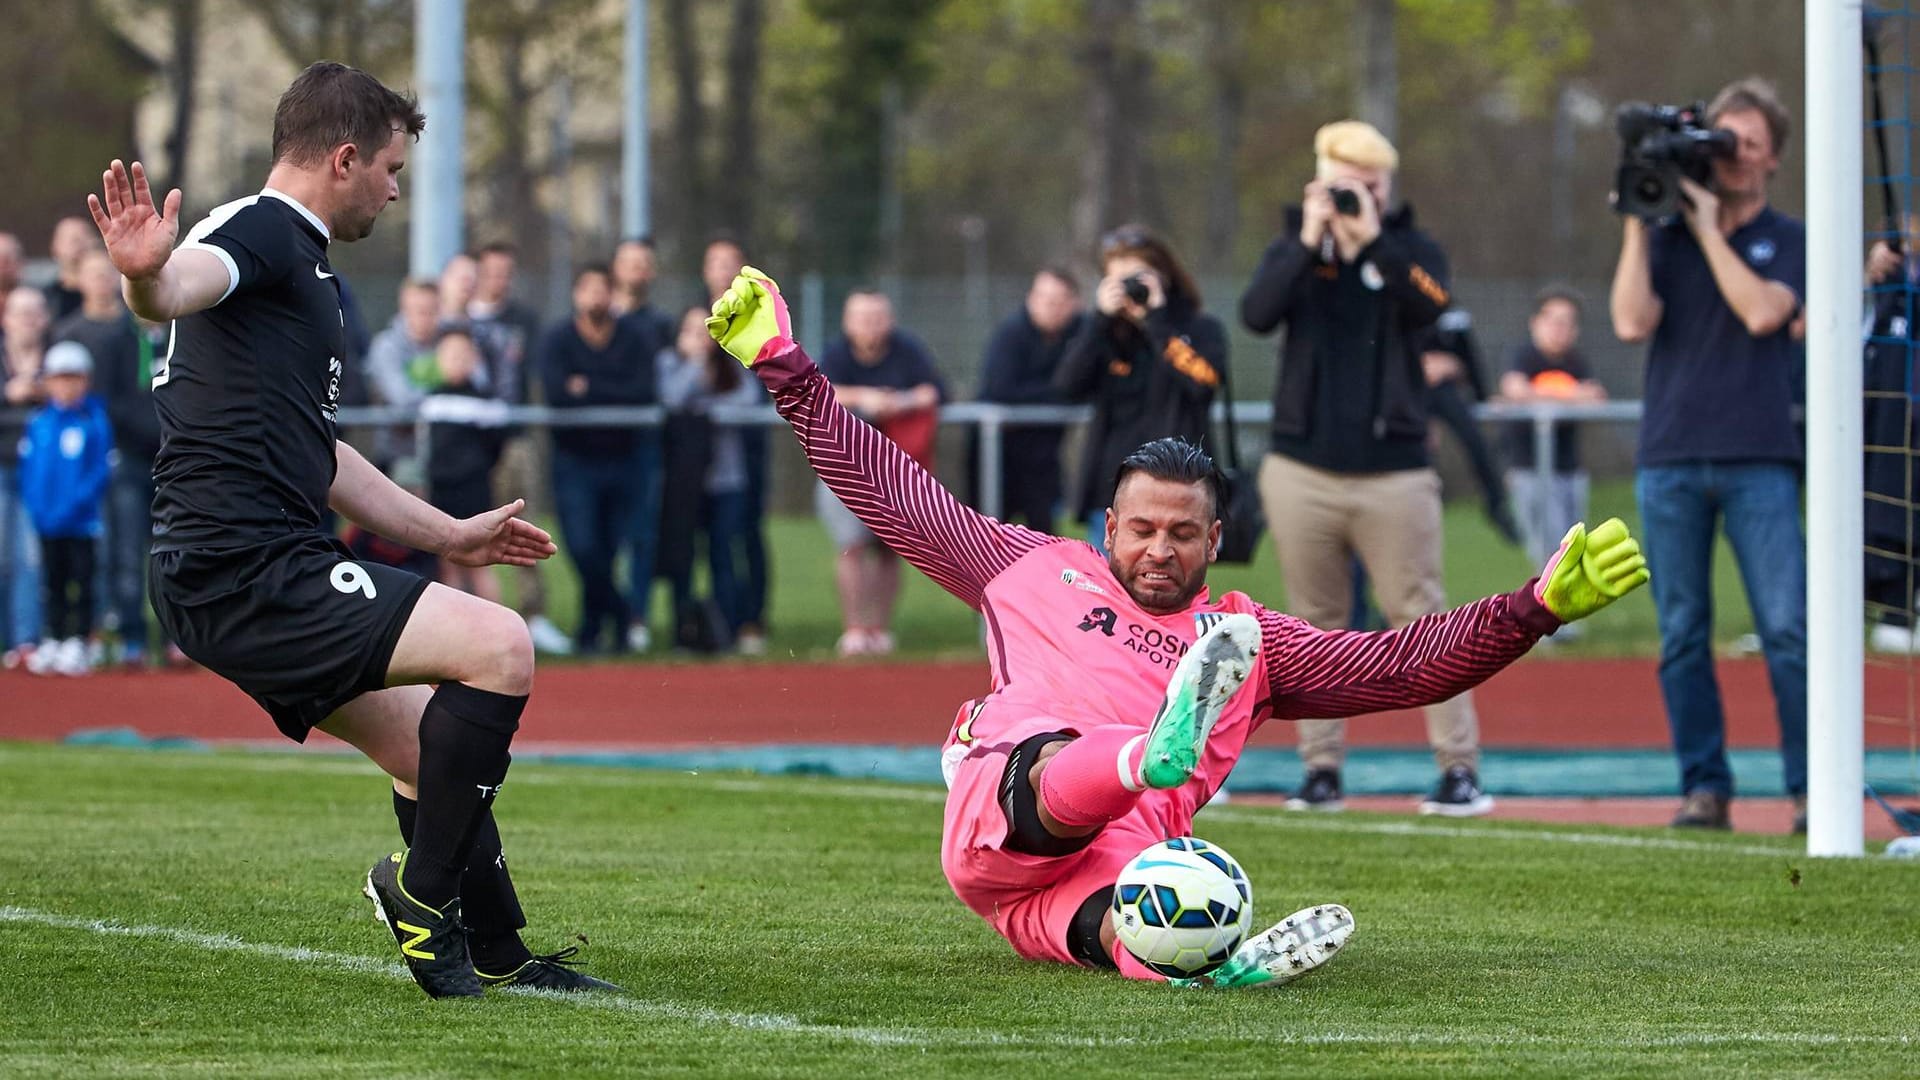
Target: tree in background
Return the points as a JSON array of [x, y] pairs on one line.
[[70, 83], [850, 73], [375, 35]]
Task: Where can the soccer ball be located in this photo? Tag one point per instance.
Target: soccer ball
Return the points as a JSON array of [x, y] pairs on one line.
[[1182, 906]]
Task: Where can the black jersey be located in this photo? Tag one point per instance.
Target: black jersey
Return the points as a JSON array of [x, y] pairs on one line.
[[247, 393]]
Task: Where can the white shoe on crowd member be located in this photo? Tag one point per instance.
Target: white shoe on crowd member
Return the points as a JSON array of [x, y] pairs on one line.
[[880, 643], [44, 657], [854, 642], [639, 638], [751, 641], [548, 638], [1888, 638], [76, 657]]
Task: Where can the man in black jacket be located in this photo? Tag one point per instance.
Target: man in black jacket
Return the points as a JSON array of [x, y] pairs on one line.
[[1018, 369], [1359, 289], [606, 480]]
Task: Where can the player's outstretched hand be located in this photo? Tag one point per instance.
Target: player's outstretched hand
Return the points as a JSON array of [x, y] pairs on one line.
[[498, 536], [139, 234], [1591, 570], [748, 315]]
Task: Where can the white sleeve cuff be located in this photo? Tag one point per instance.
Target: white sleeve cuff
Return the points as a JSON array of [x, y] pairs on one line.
[[233, 269]]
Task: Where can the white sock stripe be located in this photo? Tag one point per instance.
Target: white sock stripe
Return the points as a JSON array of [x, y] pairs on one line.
[[1130, 777]]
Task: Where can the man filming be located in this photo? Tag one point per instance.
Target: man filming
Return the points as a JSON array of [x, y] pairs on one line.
[[1718, 293]]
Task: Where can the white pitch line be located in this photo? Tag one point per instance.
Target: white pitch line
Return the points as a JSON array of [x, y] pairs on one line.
[[781, 1024], [1496, 832], [695, 1014]]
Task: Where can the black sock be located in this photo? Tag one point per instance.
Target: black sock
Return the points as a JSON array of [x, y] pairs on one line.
[[489, 905], [464, 736]]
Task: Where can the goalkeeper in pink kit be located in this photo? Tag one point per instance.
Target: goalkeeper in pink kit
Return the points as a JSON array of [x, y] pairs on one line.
[[1122, 693]]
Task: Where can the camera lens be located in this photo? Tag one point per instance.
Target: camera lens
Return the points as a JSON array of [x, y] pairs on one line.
[[1136, 289], [1346, 203]]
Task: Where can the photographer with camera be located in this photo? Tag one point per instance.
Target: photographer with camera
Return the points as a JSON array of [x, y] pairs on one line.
[[1717, 294], [1359, 289], [1149, 359]]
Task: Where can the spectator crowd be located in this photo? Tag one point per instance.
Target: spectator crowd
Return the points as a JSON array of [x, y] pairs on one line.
[[1375, 350]]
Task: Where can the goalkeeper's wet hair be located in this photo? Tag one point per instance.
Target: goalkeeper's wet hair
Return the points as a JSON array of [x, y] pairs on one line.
[[1179, 461]]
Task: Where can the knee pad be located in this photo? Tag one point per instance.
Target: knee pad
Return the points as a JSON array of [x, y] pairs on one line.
[[1083, 933], [1018, 800]]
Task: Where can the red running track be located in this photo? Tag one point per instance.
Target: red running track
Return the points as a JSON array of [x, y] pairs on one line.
[[1537, 703]]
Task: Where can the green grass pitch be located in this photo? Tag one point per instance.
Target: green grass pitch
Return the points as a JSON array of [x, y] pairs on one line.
[[198, 914]]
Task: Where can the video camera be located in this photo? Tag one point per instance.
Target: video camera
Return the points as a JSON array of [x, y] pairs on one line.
[[1659, 144]]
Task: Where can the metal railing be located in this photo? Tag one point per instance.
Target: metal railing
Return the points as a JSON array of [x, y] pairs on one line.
[[991, 420]]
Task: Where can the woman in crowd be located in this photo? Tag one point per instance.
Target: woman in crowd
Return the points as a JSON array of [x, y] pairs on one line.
[[1149, 360]]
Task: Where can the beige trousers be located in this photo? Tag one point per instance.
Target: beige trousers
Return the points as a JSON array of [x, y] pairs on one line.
[[1320, 521]]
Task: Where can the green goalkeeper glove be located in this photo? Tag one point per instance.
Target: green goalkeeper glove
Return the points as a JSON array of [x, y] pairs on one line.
[[748, 315], [1591, 570]]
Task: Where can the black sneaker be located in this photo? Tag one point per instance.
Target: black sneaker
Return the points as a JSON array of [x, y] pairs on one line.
[[553, 971], [1799, 815], [1703, 809], [1458, 794], [433, 942], [1319, 791]]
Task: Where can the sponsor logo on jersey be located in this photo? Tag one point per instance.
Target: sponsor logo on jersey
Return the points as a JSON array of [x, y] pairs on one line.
[[1160, 646], [331, 407], [1080, 581], [1761, 252]]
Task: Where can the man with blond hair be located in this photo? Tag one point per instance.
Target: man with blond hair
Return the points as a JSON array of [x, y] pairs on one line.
[[1359, 290]]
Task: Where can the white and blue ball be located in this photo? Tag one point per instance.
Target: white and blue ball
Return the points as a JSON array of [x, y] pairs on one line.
[[1182, 907]]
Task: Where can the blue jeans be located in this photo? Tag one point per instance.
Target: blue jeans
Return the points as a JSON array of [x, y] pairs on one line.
[[751, 541], [19, 567], [643, 527], [1760, 503], [599, 499], [124, 550], [726, 520]]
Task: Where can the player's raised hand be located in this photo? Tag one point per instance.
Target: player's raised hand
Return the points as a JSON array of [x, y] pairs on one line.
[[1591, 571], [749, 315], [498, 536], [139, 234]]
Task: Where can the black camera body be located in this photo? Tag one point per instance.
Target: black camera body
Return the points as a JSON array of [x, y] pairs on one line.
[[1136, 289], [1345, 202], [1659, 144]]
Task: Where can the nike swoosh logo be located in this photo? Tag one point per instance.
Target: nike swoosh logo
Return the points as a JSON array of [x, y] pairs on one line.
[[1142, 864], [321, 274]]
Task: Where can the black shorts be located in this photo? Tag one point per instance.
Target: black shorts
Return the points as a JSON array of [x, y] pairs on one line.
[[296, 622]]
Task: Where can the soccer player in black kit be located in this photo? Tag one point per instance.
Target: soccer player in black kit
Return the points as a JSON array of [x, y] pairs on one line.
[[426, 681]]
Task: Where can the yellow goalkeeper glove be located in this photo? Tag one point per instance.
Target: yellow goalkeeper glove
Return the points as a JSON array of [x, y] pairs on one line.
[[748, 315], [1591, 570]]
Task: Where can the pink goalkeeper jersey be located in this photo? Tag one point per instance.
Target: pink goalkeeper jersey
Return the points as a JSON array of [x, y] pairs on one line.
[[1069, 648]]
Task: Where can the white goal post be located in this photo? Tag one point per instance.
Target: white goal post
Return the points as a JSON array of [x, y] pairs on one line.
[[1835, 521]]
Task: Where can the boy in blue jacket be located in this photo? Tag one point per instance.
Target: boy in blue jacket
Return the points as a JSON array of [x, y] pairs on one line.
[[64, 465]]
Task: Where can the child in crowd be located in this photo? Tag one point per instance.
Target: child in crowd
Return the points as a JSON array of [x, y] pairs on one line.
[[1548, 367], [64, 464], [467, 428]]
